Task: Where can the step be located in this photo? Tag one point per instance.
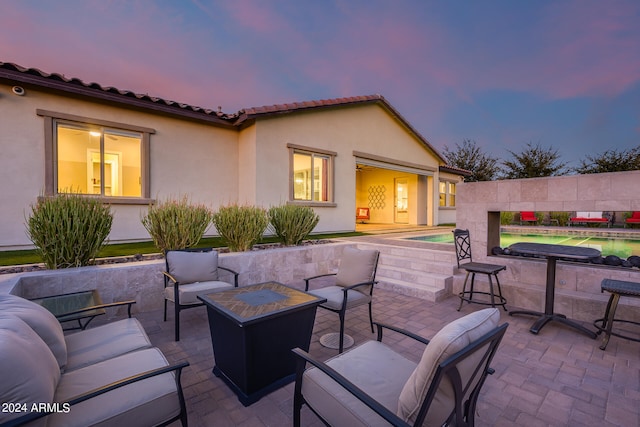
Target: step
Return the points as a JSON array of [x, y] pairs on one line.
[[416, 264], [426, 292], [420, 277]]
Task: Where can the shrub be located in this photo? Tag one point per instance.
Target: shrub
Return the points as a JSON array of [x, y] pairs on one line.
[[292, 223], [69, 230], [240, 226], [176, 223], [506, 218], [561, 217]]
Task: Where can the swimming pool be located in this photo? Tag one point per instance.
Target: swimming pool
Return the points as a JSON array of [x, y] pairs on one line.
[[621, 247]]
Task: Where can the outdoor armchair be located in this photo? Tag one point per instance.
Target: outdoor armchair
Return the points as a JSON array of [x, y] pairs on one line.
[[372, 384], [189, 273], [353, 286]]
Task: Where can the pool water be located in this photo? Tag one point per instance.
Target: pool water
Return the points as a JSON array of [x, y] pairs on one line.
[[622, 248]]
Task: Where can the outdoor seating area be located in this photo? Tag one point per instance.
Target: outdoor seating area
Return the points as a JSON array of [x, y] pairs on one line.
[[558, 377]]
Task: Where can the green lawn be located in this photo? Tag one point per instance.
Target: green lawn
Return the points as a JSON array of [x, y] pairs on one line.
[[123, 249]]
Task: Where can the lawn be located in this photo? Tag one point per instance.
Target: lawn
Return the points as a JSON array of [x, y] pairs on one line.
[[30, 256]]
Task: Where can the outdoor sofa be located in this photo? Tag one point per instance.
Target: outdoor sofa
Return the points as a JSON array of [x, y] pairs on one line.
[[589, 218], [105, 376]]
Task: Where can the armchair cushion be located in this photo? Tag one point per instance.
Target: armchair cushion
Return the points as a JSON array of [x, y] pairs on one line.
[[105, 342], [374, 368], [147, 402], [28, 369], [356, 266], [188, 294], [452, 338], [41, 320], [190, 267], [335, 295]]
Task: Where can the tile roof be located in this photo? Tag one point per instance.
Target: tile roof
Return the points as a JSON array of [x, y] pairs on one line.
[[58, 82]]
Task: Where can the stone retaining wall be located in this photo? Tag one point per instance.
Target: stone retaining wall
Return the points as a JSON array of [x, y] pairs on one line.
[[143, 280]]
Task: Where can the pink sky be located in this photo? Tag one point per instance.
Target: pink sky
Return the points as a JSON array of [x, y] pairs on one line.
[[565, 74]]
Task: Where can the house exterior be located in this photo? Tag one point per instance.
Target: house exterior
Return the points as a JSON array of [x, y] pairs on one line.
[[60, 134]]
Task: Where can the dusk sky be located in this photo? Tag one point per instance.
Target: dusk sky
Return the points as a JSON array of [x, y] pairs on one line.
[[564, 74]]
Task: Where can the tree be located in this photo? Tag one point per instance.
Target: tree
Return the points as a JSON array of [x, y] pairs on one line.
[[534, 162], [470, 157], [611, 161]]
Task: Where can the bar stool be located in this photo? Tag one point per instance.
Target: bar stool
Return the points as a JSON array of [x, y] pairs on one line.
[[617, 288], [462, 242]]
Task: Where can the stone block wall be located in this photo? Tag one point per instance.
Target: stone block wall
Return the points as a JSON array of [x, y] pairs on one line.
[[577, 285], [143, 281]]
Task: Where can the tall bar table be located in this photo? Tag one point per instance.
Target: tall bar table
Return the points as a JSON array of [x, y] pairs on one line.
[[552, 253]]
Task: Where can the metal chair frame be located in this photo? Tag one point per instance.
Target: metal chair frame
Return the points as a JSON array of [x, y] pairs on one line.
[[176, 296], [462, 241]]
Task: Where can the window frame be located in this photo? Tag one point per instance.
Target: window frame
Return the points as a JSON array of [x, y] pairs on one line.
[[447, 194], [51, 119], [330, 184]]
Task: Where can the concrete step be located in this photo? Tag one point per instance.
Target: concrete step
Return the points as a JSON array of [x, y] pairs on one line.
[[426, 292], [422, 273]]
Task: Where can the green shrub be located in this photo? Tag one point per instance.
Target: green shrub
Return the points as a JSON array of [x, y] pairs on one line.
[[506, 218], [69, 230], [240, 226], [561, 217], [292, 223], [176, 223]]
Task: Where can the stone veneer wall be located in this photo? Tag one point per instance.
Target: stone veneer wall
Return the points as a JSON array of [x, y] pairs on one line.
[[577, 285], [143, 281]]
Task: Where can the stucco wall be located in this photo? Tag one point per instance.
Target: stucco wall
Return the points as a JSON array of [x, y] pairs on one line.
[[577, 285], [367, 129], [186, 158]]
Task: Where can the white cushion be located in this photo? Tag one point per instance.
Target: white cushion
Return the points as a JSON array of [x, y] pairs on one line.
[[145, 403], [29, 373], [357, 266], [452, 338], [188, 294], [189, 267], [105, 342], [41, 320], [374, 368], [335, 295]]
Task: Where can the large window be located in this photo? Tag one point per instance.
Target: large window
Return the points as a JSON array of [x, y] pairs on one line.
[[96, 157], [312, 174], [447, 194]]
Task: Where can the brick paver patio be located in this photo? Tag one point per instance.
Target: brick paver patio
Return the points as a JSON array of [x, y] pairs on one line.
[[557, 378]]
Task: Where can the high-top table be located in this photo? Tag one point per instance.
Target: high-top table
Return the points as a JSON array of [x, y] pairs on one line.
[[552, 253], [253, 329]]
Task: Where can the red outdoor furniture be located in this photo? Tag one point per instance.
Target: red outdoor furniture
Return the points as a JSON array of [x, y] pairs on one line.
[[528, 216], [362, 214], [589, 218], [633, 219]]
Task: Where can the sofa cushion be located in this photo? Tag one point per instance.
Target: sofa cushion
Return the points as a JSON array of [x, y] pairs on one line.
[[371, 366], [105, 342], [189, 267], [356, 266], [41, 320], [28, 370], [188, 294], [452, 338], [148, 402]]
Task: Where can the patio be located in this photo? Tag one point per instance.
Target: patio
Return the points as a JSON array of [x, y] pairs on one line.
[[557, 378]]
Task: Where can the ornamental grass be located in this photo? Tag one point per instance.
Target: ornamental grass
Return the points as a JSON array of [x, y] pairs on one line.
[[176, 223], [240, 226], [69, 230], [292, 223]]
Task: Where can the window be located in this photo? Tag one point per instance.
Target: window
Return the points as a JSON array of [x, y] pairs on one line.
[[447, 194], [96, 157], [312, 173]]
